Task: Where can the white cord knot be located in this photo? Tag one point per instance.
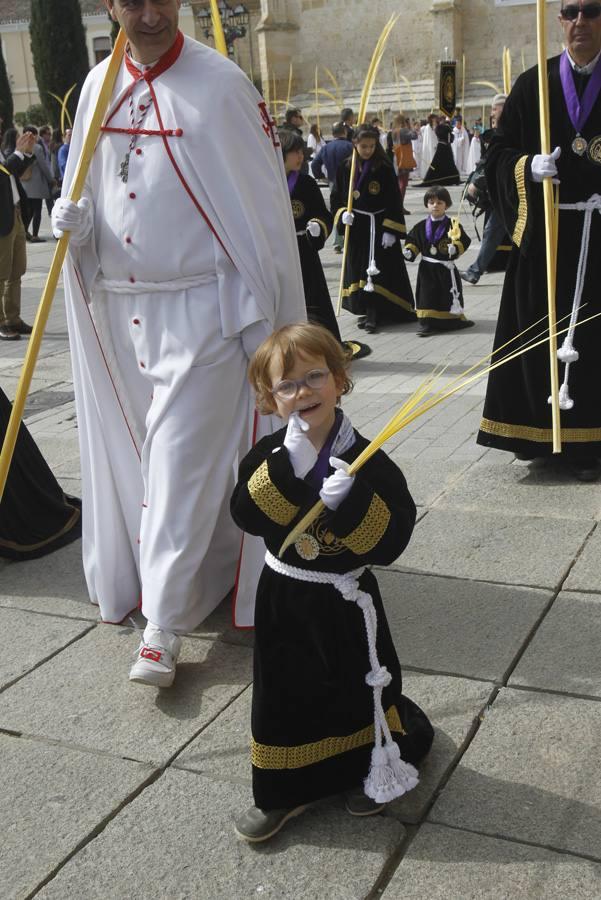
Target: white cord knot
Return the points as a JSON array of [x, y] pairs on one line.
[[372, 269], [378, 678], [567, 353], [369, 287]]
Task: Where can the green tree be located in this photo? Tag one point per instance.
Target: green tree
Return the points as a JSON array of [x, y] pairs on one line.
[[60, 55], [6, 97]]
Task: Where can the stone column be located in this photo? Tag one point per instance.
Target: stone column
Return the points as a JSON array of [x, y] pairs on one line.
[[277, 34]]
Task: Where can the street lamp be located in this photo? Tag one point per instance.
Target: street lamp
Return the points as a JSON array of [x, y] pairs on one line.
[[234, 20]]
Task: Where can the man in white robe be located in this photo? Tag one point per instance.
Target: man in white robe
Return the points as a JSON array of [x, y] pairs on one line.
[[429, 143], [183, 257], [461, 146]]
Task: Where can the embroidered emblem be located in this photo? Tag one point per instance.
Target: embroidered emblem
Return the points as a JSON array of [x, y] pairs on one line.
[[298, 209], [443, 245], [374, 187], [306, 546], [269, 125], [148, 653], [594, 150]]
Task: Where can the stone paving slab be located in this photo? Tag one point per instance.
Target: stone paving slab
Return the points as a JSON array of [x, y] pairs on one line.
[[51, 798], [54, 584], [323, 853], [586, 574], [427, 479], [479, 627], [446, 864], [531, 774], [521, 490], [565, 652], [492, 547], [28, 639], [84, 697]]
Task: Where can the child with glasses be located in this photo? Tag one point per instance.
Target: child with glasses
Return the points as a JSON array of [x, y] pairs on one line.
[[324, 656]]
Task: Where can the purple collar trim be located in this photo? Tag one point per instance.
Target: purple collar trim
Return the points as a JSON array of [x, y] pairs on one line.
[[579, 109]]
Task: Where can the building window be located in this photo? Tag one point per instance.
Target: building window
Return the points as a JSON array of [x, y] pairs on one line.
[[101, 48]]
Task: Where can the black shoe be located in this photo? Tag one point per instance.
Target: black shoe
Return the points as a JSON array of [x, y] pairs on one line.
[[9, 333], [407, 212], [371, 324], [361, 320], [427, 332], [469, 277], [464, 323], [257, 825], [28, 237], [337, 249], [22, 327], [36, 239], [585, 469]]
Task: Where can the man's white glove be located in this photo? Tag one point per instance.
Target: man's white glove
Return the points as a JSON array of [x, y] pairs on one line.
[[408, 254], [388, 240], [452, 251], [348, 217], [543, 165], [336, 488], [313, 228], [303, 454], [73, 217]]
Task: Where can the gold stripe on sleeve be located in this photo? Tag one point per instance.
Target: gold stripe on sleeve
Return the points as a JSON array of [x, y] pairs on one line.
[[269, 499], [394, 226], [371, 530], [520, 183]]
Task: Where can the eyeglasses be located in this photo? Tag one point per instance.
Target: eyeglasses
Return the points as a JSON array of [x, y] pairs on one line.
[[315, 380], [573, 10]]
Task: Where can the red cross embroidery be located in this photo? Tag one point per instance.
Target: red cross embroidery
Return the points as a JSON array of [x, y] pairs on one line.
[[269, 125], [147, 653]]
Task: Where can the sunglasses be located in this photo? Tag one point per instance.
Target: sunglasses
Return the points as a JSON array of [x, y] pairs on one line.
[[573, 10]]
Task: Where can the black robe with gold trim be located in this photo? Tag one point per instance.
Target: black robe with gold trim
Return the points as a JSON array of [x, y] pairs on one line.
[[392, 297], [517, 415], [307, 204], [313, 713], [433, 298], [442, 168], [36, 517]]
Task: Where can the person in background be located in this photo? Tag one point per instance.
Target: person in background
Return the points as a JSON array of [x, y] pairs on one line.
[[347, 118], [315, 142], [63, 154], [13, 254], [38, 188], [400, 150], [327, 163]]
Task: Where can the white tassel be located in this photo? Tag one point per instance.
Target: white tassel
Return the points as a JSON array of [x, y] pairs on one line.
[[369, 287], [406, 774], [565, 401], [567, 353], [373, 269], [388, 779]]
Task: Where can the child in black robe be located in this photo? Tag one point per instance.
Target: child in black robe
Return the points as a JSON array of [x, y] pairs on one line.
[[376, 284], [442, 168], [439, 294], [322, 663]]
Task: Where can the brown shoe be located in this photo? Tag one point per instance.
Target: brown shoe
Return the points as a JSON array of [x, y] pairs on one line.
[[9, 333]]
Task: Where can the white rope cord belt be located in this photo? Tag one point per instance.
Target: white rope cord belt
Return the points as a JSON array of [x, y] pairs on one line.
[[567, 353], [456, 308], [155, 287], [372, 269], [389, 776]]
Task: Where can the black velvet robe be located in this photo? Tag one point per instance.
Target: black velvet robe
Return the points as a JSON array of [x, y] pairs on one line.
[[392, 297], [36, 517], [433, 298], [311, 656], [517, 415], [442, 168], [308, 203]]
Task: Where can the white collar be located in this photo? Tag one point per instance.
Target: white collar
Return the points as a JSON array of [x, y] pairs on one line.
[[584, 70], [142, 67], [440, 218]]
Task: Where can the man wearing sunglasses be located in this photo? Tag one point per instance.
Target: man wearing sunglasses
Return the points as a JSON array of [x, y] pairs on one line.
[[517, 411]]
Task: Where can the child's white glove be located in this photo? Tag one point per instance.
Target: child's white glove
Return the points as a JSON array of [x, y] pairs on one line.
[[543, 165], [303, 454], [408, 254], [348, 217], [452, 251], [73, 217], [336, 488], [388, 240], [313, 228]]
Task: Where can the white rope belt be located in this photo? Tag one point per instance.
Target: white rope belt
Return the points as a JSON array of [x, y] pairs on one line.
[[155, 287], [389, 776], [456, 308], [372, 269], [567, 353]]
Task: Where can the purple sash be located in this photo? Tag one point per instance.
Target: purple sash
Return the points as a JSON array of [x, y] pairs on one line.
[[320, 469], [579, 109], [361, 174], [292, 181], [434, 236]]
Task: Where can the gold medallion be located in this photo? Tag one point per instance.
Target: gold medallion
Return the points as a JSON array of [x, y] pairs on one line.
[[298, 209], [306, 546], [594, 150], [374, 187], [356, 195], [579, 145]]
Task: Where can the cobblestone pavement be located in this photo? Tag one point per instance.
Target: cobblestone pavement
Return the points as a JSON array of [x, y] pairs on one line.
[[111, 790]]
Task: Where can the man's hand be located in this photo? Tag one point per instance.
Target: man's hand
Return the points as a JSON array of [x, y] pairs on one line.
[[348, 217], [544, 166], [303, 454], [25, 143], [313, 228], [388, 240], [73, 217]]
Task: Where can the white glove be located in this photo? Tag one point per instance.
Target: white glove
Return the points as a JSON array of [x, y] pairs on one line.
[[348, 217], [303, 454], [73, 217], [388, 240], [336, 488], [452, 251], [313, 228], [543, 165], [408, 254]]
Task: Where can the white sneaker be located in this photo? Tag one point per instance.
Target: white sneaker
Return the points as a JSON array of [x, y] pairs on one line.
[[156, 657]]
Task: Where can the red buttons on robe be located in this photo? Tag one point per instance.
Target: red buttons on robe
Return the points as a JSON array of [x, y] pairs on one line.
[[132, 196], [132, 279], [178, 132], [135, 321], [138, 152], [128, 240], [142, 365], [142, 107]]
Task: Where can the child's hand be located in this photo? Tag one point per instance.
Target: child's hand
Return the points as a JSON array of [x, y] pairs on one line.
[[388, 240], [408, 254], [452, 251], [336, 488], [303, 454], [313, 228]]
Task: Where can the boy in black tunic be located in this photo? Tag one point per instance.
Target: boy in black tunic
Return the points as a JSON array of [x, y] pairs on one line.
[[322, 664], [439, 294]]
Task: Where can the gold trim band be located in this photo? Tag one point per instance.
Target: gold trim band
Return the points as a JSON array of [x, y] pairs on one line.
[[268, 756], [394, 226], [269, 499], [540, 435], [520, 183], [371, 530], [359, 285], [436, 314]]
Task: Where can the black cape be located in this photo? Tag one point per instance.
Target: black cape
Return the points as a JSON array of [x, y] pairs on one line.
[[36, 517], [312, 713], [392, 295], [442, 168], [517, 415], [307, 204], [433, 299]]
